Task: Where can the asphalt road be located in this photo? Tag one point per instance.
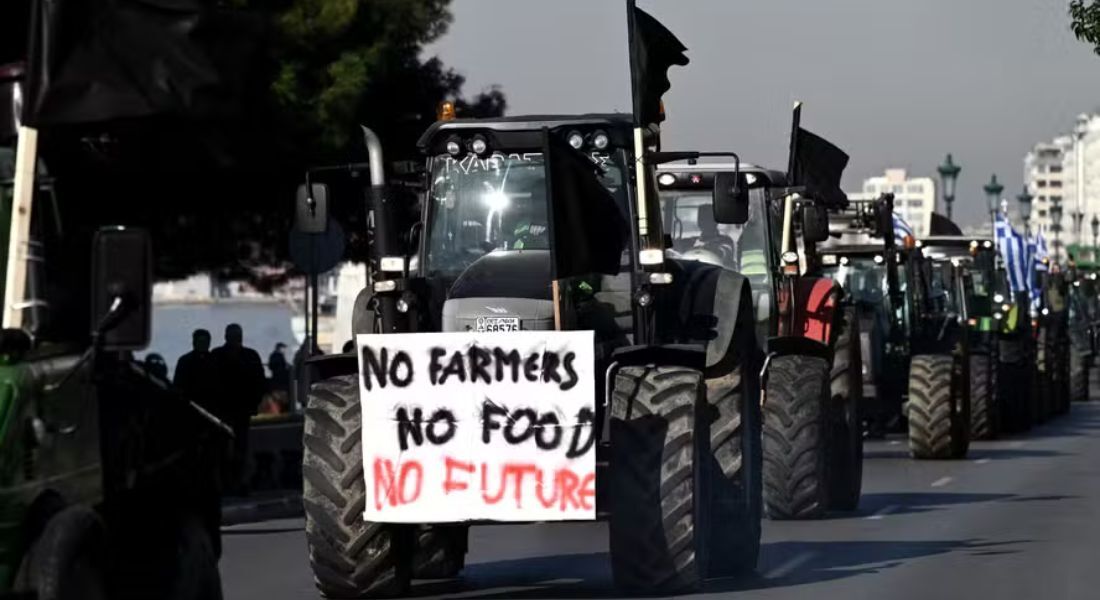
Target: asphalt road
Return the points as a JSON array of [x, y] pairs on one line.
[[1019, 518]]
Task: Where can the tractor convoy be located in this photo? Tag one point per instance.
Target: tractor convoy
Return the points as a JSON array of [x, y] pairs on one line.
[[562, 321], [745, 329]]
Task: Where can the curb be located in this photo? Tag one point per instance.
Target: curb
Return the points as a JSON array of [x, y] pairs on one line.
[[284, 507]]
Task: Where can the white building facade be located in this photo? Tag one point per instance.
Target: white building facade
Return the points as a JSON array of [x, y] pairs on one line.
[[914, 197], [1066, 170]]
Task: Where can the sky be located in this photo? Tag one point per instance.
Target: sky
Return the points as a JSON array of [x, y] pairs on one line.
[[895, 83]]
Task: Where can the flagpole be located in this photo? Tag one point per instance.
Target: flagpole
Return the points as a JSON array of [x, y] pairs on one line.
[[639, 132], [26, 155]]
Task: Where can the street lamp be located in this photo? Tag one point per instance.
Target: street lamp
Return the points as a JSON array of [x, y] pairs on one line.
[[949, 173], [1078, 222], [1025, 206], [993, 191]]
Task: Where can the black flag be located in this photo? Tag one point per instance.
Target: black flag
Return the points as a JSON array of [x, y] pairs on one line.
[[98, 60], [587, 230], [816, 164], [653, 49]]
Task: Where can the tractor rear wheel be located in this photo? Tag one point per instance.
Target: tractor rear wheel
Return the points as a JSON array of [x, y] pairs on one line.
[[846, 440], [796, 433], [658, 475], [350, 558], [736, 504], [938, 424], [983, 417], [1013, 387]]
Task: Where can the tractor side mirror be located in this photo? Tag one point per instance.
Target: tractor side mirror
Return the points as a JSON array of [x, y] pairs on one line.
[[815, 223], [731, 199], [122, 288], [311, 208]]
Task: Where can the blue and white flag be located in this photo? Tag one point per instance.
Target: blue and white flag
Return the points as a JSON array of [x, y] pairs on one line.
[[901, 230], [1037, 252], [1013, 250]]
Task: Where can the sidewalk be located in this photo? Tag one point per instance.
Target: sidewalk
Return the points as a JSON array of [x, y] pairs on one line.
[[262, 506]]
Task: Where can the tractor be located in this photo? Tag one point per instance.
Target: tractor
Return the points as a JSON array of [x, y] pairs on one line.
[[867, 257], [108, 478], [813, 443], [1084, 312], [677, 408], [940, 380], [1051, 382], [985, 311]]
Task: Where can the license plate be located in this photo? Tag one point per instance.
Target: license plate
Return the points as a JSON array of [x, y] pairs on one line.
[[498, 323]]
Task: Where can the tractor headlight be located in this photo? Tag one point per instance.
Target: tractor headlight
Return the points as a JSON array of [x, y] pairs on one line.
[[600, 141], [576, 140], [998, 298]]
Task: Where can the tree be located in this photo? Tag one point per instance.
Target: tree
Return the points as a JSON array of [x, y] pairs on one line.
[[341, 63], [303, 78], [1085, 17]]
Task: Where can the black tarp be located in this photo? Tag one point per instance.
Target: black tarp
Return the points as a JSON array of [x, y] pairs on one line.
[[587, 230], [653, 50]]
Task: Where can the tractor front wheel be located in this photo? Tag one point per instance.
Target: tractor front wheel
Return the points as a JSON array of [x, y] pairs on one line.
[[350, 557], [939, 425], [659, 479], [796, 434]]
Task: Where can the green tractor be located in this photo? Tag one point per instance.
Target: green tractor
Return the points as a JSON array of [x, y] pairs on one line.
[[108, 478]]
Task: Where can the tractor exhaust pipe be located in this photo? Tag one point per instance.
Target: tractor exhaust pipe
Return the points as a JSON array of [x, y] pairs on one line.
[[384, 238]]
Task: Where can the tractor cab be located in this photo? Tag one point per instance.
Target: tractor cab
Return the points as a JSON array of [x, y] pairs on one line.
[[983, 280], [687, 214]]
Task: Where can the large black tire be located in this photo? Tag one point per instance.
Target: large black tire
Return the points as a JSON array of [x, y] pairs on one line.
[[983, 408], [196, 575], [66, 562], [440, 551], [846, 439], [658, 476], [1013, 387], [350, 557], [736, 504], [796, 433], [939, 426], [1079, 376]]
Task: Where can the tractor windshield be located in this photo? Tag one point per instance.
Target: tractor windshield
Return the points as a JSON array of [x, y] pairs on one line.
[[864, 278], [689, 219], [482, 205]]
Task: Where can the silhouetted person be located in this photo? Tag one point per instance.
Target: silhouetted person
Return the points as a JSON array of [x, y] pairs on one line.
[[154, 365], [195, 374], [241, 385], [280, 369]]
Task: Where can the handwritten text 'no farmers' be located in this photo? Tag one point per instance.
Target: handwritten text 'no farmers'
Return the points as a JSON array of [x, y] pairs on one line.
[[478, 426]]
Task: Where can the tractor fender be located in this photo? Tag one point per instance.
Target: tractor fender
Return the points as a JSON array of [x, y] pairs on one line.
[[710, 300], [327, 366], [815, 309]]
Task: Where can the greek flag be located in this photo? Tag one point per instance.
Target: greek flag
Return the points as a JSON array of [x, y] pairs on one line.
[[1013, 252], [1037, 251], [901, 229]]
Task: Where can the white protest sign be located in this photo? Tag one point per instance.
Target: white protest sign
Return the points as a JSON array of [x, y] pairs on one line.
[[478, 426]]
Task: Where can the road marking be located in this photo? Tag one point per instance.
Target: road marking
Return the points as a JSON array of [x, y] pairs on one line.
[[795, 561], [981, 461], [894, 442], [1016, 444], [942, 481], [882, 512]]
